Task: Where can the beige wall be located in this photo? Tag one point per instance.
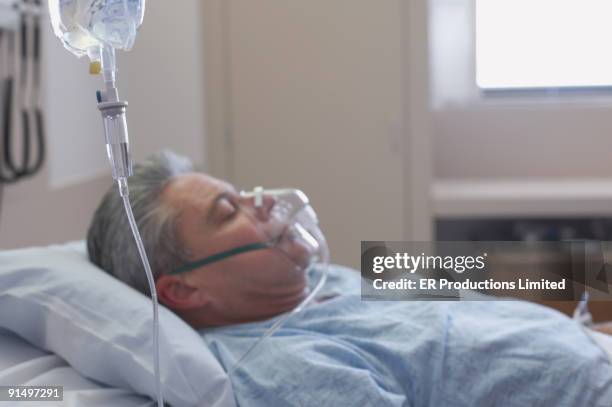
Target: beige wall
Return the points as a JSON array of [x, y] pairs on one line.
[[331, 97], [530, 141], [35, 214]]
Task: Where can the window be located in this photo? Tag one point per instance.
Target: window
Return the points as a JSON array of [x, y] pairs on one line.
[[532, 44]]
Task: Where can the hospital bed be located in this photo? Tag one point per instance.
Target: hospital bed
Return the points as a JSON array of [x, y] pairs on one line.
[[65, 322]]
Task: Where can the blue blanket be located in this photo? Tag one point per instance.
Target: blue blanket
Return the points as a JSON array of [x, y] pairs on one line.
[[348, 352]]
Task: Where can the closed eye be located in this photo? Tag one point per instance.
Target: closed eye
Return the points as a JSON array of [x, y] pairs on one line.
[[226, 209]]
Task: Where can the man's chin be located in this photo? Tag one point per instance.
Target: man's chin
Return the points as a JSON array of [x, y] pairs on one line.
[[297, 289], [296, 299]]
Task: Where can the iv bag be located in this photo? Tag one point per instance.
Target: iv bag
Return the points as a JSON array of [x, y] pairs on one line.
[[84, 25]]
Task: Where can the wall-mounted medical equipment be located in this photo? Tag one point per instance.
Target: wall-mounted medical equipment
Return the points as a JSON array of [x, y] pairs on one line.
[[22, 149]]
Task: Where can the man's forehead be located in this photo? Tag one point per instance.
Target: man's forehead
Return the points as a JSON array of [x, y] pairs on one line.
[[194, 187]]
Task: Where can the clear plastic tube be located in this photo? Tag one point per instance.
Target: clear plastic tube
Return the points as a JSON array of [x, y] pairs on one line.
[[283, 319], [109, 70], [124, 192]]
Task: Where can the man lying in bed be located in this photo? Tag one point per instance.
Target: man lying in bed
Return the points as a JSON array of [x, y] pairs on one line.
[[340, 350]]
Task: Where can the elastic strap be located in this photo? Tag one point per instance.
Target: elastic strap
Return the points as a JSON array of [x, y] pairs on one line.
[[220, 256]]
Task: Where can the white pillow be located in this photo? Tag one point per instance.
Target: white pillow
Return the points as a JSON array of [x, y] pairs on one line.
[[59, 301]]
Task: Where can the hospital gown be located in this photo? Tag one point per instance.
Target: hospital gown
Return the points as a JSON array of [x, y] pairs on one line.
[[348, 352]]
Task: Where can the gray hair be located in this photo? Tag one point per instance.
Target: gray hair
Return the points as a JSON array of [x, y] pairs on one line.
[[110, 243]]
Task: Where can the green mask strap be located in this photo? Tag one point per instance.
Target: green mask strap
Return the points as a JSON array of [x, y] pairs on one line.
[[220, 256]]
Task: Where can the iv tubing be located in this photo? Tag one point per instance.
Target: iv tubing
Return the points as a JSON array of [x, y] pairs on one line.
[[124, 192], [113, 111]]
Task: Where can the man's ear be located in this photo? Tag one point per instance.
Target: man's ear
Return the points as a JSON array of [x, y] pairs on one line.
[[177, 293]]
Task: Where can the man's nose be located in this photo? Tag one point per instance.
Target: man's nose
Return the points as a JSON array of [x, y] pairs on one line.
[[262, 209]]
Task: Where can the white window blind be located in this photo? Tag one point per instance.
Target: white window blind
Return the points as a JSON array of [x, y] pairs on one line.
[[527, 44]]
